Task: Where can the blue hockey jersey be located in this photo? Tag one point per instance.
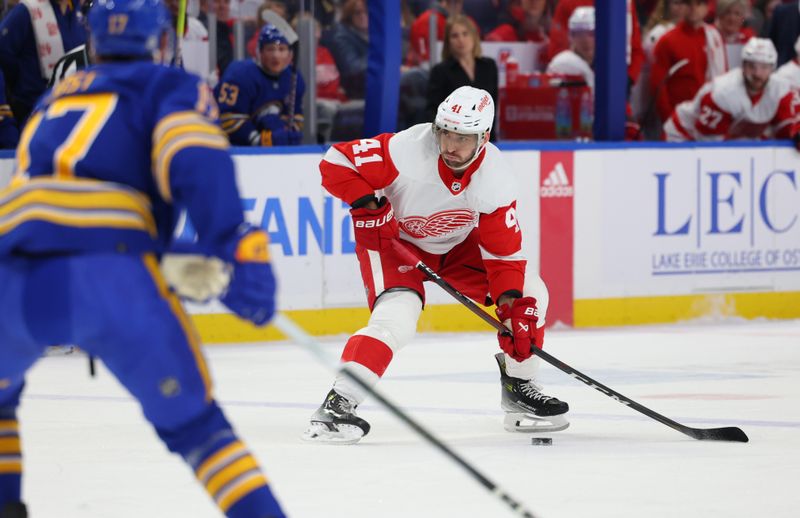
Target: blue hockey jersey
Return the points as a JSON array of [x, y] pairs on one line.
[[255, 106], [124, 140]]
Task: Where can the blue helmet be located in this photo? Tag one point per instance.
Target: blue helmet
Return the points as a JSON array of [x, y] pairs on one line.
[[127, 27], [270, 34]]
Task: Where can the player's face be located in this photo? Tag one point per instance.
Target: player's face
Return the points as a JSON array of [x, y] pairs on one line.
[[275, 57], [456, 149], [583, 44], [756, 75], [461, 42]]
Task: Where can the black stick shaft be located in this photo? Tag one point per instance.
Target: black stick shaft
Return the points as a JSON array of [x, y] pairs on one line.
[[716, 434], [293, 331], [438, 444]]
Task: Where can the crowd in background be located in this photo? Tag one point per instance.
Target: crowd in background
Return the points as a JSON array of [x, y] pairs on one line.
[[674, 48]]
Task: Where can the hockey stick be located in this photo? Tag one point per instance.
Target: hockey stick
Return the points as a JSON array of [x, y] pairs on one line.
[[298, 335], [180, 28], [730, 433]]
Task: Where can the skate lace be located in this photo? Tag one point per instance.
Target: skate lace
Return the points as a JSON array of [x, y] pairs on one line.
[[343, 405], [531, 390]]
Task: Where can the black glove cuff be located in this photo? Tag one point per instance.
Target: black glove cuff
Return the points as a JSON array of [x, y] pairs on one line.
[[364, 200], [515, 294]]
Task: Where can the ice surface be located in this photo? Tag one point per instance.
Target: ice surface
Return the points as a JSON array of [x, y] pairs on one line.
[[89, 453]]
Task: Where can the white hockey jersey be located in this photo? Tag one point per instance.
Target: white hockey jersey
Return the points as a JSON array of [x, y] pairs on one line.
[[435, 209], [791, 72], [568, 62], [723, 110]]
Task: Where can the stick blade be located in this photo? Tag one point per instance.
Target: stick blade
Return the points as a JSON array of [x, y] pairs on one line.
[[728, 433]]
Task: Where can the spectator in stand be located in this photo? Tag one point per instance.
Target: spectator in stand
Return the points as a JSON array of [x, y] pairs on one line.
[[527, 21], [327, 74], [761, 16], [559, 39], [685, 58], [9, 134], [485, 13], [325, 11], [261, 102], [731, 15], [791, 69], [222, 10], [418, 39], [784, 30], [663, 19], [730, 20], [330, 94], [756, 18], [578, 60], [30, 47], [746, 103], [461, 65], [348, 41]]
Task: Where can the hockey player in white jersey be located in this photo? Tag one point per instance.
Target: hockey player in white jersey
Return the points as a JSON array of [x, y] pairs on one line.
[[579, 58], [791, 69], [447, 194], [750, 102]]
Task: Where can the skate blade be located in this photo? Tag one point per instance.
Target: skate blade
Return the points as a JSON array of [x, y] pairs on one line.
[[322, 434], [526, 423]]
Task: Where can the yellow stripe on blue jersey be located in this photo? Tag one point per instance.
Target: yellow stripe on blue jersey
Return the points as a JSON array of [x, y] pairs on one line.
[[232, 451], [10, 448], [95, 110], [243, 487], [176, 132], [23, 147], [230, 474], [5, 111], [231, 122], [80, 203]]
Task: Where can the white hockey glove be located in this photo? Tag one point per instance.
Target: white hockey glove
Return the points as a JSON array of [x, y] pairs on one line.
[[196, 277]]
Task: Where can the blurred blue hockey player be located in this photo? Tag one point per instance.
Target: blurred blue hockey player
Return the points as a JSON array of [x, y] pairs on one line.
[[105, 159], [261, 102]]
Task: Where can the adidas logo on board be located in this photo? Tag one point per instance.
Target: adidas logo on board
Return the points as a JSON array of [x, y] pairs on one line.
[[556, 185]]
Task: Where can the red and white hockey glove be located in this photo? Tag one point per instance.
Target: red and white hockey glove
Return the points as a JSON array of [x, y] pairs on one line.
[[521, 318], [375, 229]]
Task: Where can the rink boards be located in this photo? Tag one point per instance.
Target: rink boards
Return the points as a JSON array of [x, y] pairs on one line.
[[622, 235]]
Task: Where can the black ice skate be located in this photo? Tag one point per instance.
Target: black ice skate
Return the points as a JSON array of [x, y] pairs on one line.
[[336, 422], [527, 408]]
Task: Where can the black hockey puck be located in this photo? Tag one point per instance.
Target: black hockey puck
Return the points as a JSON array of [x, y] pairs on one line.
[[541, 441]]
